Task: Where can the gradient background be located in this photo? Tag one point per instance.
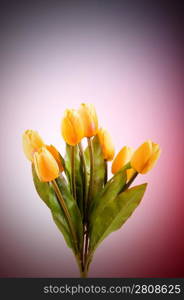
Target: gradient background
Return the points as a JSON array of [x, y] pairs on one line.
[[127, 61]]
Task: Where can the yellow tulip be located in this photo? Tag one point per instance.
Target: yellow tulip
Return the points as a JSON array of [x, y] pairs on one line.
[[72, 127], [121, 159], [32, 142], [106, 144], [45, 164], [89, 117], [130, 173], [145, 157], [56, 155]]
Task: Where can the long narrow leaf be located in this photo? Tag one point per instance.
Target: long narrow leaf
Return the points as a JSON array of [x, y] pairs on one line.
[[110, 192], [99, 168], [47, 194], [72, 208], [115, 214], [78, 174]]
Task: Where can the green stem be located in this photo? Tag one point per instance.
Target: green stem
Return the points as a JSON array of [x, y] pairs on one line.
[[89, 260], [87, 201], [80, 264], [86, 247], [91, 181], [73, 172], [126, 186], [66, 212], [82, 268], [106, 172], [89, 198], [84, 178], [85, 195], [85, 274]]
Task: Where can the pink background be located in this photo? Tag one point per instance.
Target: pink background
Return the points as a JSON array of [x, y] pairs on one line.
[[54, 59]]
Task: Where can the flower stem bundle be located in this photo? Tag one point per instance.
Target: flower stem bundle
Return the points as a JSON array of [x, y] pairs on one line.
[[87, 205]]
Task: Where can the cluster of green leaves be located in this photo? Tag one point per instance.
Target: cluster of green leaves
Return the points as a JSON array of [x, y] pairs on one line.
[[47, 194], [110, 205]]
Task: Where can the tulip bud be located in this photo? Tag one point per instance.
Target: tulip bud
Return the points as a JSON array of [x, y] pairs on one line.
[[72, 127], [145, 157], [32, 142], [89, 117], [56, 155], [106, 144], [121, 159], [45, 165]]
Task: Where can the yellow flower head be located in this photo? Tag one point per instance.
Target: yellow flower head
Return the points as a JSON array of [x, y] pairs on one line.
[[145, 157], [31, 142], [121, 159], [72, 127], [56, 155], [89, 118], [106, 144], [45, 164]]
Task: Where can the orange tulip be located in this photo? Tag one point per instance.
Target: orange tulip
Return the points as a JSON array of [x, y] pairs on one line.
[[121, 159], [56, 155], [32, 142], [106, 144], [45, 164], [72, 127], [145, 157], [89, 117]]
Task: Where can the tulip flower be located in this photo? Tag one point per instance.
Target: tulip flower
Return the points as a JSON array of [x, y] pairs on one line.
[[45, 164], [106, 144], [145, 157], [130, 173], [32, 142], [56, 155], [121, 159], [72, 127], [89, 118]]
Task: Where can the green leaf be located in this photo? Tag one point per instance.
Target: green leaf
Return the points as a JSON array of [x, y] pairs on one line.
[[47, 194], [115, 214], [58, 219], [112, 188], [42, 188], [99, 167], [78, 174], [72, 208]]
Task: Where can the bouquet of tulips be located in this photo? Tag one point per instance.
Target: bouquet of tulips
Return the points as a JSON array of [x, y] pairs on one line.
[[85, 204]]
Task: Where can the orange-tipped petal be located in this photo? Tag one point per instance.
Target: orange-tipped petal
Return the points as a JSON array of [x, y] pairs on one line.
[[121, 159], [72, 127], [89, 118], [45, 165], [106, 144], [31, 142]]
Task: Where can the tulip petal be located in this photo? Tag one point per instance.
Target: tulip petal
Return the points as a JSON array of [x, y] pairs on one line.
[[89, 118], [68, 132], [36, 164], [45, 165], [72, 127], [151, 162], [56, 155], [31, 142], [130, 173], [106, 144], [141, 156], [121, 159]]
